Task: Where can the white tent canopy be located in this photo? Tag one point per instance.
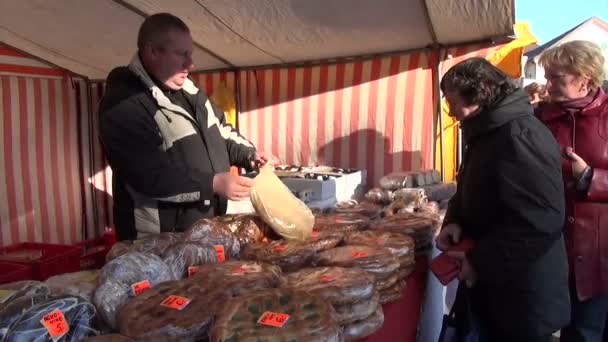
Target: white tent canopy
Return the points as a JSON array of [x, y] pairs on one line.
[[90, 37]]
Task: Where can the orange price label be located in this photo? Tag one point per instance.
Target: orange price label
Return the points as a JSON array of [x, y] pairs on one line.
[[175, 302], [273, 319], [314, 234], [140, 287], [359, 254], [279, 248], [219, 250], [192, 271], [56, 324], [326, 278]]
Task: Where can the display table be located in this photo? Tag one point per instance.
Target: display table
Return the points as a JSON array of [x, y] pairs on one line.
[[401, 317]]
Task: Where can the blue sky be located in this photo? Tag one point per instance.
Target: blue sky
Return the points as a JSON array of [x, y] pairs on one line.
[[550, 18]]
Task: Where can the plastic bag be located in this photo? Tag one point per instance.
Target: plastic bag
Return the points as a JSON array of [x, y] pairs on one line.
[[216, 234], [117, 278], [78, 314], [337, 285], [153, 316], [393, 293], [240, 277], [379, 196], [362, 309], [152, 243], [368, 209], [400, 245], [324, 240], [189, 253], [365, 327], [80, 284], [377, 260], [440, 192], [279, 208], [108, 338], [383, 284], [289, 255], [410, 196], [341, 222], [18, 297], [311, 318]]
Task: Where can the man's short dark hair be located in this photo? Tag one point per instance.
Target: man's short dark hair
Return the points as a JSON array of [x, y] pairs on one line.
[[477, 81], [157, 24]]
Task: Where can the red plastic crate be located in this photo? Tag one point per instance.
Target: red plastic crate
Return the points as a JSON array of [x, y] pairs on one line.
[[45, 259], [93, 251], [10, 272]]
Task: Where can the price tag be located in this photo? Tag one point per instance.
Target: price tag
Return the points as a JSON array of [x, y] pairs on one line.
[[359, 254], [56, 324], [279, 248], [326, 278], [219, 250], [314, 234], [175, 302], [5, 294], [140, 287], [273, 319], [192, 270]]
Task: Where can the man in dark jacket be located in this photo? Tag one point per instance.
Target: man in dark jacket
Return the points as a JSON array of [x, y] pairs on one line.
[[168, 145], [510, 203]]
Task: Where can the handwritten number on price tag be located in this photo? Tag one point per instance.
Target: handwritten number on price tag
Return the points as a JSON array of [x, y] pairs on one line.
[[273, 319], [175, 302], [326, 278], [140, 287], [219, 250], [56, 324], [192, 271], [359, 254]]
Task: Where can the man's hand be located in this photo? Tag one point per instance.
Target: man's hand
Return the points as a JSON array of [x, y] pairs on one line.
[[267, 158], [449, 235], [467, 273], [235, 188]]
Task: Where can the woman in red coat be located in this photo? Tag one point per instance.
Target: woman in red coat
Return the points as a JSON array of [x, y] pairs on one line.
[[578, 117]]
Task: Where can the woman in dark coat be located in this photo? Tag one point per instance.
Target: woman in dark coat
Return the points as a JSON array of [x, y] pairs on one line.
[[510, 202]]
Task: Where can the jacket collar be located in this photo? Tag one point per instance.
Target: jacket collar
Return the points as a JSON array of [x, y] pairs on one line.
[[511, 107], [552, 111]]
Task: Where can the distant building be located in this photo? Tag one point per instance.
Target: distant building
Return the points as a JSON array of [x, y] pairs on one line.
[[593, 29]]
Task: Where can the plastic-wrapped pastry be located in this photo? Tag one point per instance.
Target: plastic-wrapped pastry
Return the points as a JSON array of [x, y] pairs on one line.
[[108, 338], [151, 243], [240, 277], [215, 234], [362, 309], [77, 314], [189, 253], [363, 328], [278, 313], [81, 284], [173, 311], [379, 196], [338, 285], [324, 240], [289, 255], [400, 245], [376, 260], [367, 209], [122, 277], [341, 222], [17, 298], [393, 293]]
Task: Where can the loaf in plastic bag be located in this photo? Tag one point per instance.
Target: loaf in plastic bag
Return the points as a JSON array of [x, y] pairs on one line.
[[78, 314], [377, 260], [379, 196], [81, 284], [121, 276], [216, 234], [365, 208], [337, 285], [342, 222], [183, 255], [239, 277], [349, 313], [393, 293], [324, 240], [279, 208], [400, 245], [17, 298], [289, 255], [363, 328], [151, 243], [410, 197], [174, 311], [301, 316], [440, 192]]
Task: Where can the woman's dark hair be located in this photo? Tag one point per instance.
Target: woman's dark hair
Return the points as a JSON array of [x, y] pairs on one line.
[[477, 81]]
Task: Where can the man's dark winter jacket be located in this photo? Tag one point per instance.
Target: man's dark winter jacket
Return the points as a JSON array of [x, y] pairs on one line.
[[164, 156]]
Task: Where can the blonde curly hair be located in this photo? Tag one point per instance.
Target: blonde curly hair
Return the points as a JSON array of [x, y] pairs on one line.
[[578, 57]]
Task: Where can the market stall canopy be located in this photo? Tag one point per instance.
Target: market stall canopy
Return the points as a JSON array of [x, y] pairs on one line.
[[90, 37]]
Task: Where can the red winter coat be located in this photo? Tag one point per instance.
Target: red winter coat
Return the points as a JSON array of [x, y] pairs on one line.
[[586, 227]]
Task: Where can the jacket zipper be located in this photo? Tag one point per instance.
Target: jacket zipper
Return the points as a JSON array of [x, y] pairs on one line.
[[573, 117]]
